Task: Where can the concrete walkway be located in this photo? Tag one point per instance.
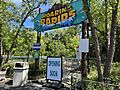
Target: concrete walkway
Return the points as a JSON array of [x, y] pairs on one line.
[[70, 75]]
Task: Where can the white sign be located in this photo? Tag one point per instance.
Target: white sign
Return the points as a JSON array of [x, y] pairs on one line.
[[54, 68], [84, 45]]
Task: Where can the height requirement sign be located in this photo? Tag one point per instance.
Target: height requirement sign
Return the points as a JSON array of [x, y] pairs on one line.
[[60, 15], [54, 68]]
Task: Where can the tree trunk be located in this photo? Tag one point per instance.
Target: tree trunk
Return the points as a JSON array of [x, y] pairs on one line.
[[117, 49], [37, 59], [111, 50], [84, 61], [1, 58], [96, 42], [106, 28]]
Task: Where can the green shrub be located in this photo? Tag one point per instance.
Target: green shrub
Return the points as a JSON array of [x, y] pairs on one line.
[[115, 73], [10, 69], [40, 72]]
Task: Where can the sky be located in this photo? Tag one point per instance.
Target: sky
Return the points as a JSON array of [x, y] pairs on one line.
[[18, 2], [29, 23]]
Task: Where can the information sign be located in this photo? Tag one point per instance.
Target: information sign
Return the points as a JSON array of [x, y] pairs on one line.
[[54, 68], [84, 45]]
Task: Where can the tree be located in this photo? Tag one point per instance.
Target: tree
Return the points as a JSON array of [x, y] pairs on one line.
[[111, 37], [117, 49], [96, 42], [27, 9], [60, 42], [111, 47], [24, 42], [5, 17]]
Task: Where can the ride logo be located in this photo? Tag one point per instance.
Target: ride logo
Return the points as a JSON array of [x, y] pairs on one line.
[[59, 14]]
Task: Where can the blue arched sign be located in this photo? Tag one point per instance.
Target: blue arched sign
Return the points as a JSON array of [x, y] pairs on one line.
[[60, 15]]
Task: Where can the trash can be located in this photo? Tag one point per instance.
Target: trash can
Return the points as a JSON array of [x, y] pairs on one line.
[[20, 74]]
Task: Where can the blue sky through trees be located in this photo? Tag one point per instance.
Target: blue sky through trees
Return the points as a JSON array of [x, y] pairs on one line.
[[29, 23]]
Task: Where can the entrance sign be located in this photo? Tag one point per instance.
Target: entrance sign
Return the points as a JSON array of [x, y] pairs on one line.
[[84, 45], [36, 46], [54, 68], [60, 15]]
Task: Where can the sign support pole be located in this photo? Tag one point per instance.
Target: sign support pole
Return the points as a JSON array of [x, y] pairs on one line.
[[84, 61], [37, 59], [38, 41]]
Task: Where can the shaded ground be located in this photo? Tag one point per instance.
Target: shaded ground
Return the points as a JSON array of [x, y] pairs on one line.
[[70, 74], [33, 85]]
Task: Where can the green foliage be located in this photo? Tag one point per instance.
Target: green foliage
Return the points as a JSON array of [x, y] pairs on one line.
[[51, 2], [114, 75], [93, 74], [24, 42], [60, 42], [92, 85], [92, 82], [97, 10], [10, 69], [41, 71], [5, 19]]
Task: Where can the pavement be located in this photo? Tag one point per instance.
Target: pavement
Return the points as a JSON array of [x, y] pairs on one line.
[[33, 85], [70, 75]]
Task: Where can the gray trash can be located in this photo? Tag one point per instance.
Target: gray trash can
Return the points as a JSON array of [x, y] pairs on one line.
[[20, 74]]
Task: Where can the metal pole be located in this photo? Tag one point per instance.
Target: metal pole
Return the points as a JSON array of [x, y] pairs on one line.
[[37, 59], [38, 41]]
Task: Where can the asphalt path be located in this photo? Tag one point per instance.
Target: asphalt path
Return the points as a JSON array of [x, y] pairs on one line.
[[71, 74]]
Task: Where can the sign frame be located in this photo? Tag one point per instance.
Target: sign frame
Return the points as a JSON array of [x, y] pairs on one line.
[[60, 79]]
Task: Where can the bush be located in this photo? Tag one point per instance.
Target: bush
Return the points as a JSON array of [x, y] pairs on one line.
[[115, 73], [40, 72], [10, 69], [32, 71]]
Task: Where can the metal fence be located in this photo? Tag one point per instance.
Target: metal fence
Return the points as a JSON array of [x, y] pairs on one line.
[[23, 58]]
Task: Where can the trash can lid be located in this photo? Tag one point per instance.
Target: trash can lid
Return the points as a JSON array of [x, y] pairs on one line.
[[21, 65]]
